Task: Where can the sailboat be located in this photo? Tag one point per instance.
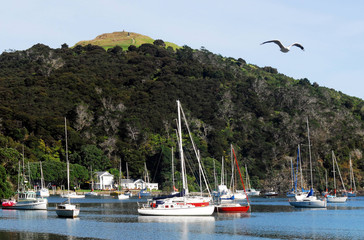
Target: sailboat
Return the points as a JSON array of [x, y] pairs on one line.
[[180, 204], [43, 191], [92, 193], [250, 191], [121, 196], [334, 198], [223, 192], [234, 207], [352, 192], [296, 193], [67, 209], [145, 192], [309, 201]]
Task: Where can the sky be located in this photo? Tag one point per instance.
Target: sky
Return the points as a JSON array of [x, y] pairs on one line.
[[331, 31]]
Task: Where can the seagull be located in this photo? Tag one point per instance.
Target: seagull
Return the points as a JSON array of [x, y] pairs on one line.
[[283, 48]]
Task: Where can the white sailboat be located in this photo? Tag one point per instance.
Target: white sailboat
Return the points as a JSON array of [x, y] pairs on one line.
[[309, 201], [121, 196], [43, 191], [352, 192], [183, 204], [250, 191], [296, 193], [67, 209], [92, 193], [334, 198]]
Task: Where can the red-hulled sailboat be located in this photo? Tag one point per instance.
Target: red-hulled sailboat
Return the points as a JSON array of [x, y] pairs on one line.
[[234, 207]]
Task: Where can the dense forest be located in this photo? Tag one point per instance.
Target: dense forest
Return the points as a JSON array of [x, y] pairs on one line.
[[120, 105]]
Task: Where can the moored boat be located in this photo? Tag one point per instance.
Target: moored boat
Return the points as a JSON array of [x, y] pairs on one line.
[[181, 204], [309, 201], [66, 209], [26, 201]]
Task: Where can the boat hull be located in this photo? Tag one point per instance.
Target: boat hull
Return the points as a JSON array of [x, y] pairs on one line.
[[308, 204], [67, 210], [40, 204], [123, 196], [72, 195], [337, 199], [68, 213], [231, 208], [187, 210]]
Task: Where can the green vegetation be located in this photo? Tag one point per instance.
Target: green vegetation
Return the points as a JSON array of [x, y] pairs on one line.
[[121, 105]]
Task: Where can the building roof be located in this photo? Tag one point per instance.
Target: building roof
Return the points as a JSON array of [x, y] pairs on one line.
[[99, 174]]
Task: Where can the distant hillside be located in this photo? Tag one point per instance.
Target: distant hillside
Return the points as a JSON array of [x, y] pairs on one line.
[[121, 106], [123, 39]]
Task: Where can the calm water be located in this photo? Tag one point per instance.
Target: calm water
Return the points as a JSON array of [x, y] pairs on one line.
[[110, 218]]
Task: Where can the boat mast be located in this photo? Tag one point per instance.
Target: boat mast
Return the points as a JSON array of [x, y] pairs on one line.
[[309, 150], [173, 170], [333, 170], [215, 176], [68, 164], [127, 171], [222, 170], [301, 174], [41, 176], [338, 169], [184, 181]]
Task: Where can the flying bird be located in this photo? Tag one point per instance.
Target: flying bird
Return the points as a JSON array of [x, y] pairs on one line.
[[283, 48]]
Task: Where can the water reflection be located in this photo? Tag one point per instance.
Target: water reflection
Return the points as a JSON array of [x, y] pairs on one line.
[[175, 219], [184, 227]]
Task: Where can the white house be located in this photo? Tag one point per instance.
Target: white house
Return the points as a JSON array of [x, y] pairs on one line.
[[104, 181], [138, 184], [127, 183]]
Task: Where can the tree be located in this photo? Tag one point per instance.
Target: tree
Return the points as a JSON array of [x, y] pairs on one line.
[[5, 187], [91, 155]]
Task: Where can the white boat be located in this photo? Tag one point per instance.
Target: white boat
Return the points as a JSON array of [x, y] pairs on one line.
[[123, 196], [296, 193], [66, 209], [249, 190], [170, 208], [334, 198], [239, 195], [43, 191], [182, 205], [252, 192], [271, 194], [91, 194], [72, 195], [309, 201], [26, 201], [352, 192]]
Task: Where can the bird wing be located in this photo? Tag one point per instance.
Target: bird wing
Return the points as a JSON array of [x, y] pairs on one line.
[[274, 41], [298, 45]]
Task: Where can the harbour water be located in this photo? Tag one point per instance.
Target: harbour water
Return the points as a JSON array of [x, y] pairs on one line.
[[110, 218]]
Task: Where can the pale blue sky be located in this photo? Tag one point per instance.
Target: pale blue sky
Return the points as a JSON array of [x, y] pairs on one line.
[[331, 31]]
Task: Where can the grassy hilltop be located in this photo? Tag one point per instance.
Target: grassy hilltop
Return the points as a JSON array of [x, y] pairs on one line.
[[123, 39]]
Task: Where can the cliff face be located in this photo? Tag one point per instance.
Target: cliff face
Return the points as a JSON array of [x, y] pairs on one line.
[[124, 103]]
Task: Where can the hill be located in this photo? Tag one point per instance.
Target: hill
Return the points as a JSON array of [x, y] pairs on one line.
[[123, 39], [121, 105]]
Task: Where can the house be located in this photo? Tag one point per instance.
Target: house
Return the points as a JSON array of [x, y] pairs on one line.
[[140, 184], [137, 184], [104, 181], [127, 184]]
